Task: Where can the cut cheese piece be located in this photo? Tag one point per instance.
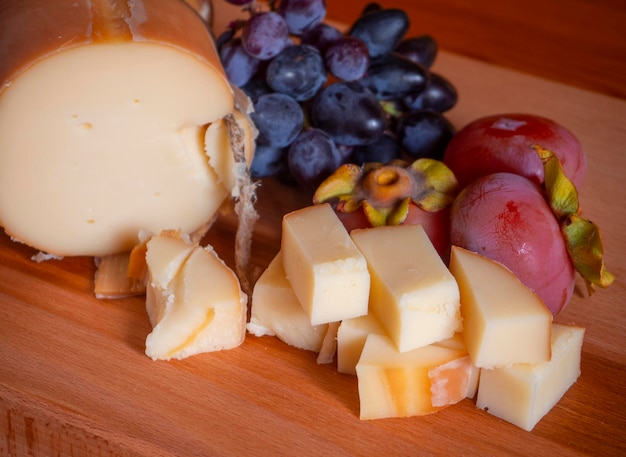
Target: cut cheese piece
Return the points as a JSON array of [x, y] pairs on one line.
[[351, 338], [413, 294], [276, 311], [523, 394], [504, 322], [325, 269], [193, 299], [457, 342], [401, 384], [105, 108]]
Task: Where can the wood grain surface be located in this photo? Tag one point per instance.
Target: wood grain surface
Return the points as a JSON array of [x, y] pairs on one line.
[[74, 380]]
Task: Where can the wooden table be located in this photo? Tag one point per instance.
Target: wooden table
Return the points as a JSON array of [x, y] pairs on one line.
[[74, 379]]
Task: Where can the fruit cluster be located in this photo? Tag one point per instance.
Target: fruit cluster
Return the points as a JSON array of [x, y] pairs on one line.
[[324, 97]]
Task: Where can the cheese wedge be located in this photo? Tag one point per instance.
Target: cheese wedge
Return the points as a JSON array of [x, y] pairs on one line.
[[504, 322], [276, 311], [109, 115], [194, 301], [523, 394], [412, 383], [328, 274], [413, 294]]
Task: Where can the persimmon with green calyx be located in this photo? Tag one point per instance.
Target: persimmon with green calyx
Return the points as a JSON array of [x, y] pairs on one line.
[[535, 231], [398, 192]]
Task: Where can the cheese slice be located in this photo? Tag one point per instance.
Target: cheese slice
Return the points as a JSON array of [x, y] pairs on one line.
[[328, 274], [523, 394], [413, 294], [412, 383], [504, 322], [457, 342], [105, 109], [194, 300], [276, 311]]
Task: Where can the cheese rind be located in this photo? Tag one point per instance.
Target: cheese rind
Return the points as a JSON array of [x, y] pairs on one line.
[[104, 108], [504, 322], [402, 384], [523, 394], [328, 274], [412, 293], [193, 299], [276, 311]]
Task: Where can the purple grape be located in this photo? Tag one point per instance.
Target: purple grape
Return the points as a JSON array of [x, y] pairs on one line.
[[393, 77], [297, 71], [239, 2], [425, 134], [278, 118], [301, 15], [312, 157], [321, 36], [421, 50], [438, 95], [268, 162], [347, 58], [238, 64], [383, 150], [265, 35], [349, 113], [256, 87], [381, 30]]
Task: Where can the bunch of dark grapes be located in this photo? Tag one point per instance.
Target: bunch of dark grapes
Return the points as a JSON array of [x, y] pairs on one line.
[[323, 97]]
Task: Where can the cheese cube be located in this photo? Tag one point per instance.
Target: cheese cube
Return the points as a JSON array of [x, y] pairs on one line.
[[413, 294], [412, 383], [523, 394], [504, 322], [327, 272], [193, 299], [457, 342], [277, 311], [351, 337]]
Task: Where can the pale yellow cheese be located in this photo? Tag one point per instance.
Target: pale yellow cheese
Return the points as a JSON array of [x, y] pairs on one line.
[[328, 274], [504, 322], [106, 109], [351, 337], [194, 300], [523, 394], [457, 343], [413, 294], [417, 382], [276, 311]]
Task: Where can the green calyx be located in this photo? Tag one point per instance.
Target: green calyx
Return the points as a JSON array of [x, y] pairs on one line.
[[386, 191], [582, 237]]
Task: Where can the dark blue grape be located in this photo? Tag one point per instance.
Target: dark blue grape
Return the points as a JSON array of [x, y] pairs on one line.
[[321, 36], [256, 87], [349, 113], [383, 150], [278, 118], [438, 95], [347, 58], [421, 50], [297, 71], [239, 66], [312, 157], [425, 134], [394, 77], [269, 162], [381, 30], [371, 7], [301, 15], [265, 35]]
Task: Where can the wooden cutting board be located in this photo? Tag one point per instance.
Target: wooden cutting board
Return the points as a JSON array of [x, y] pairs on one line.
[[74, 379]]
